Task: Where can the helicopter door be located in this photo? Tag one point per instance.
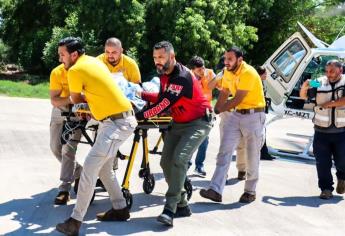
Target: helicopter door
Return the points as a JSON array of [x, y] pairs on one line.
[[285, 66]]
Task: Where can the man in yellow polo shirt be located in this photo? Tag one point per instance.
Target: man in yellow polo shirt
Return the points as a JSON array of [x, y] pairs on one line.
[[90, 81], [224, 116], [245, 123], [118, 63], [64, 153]]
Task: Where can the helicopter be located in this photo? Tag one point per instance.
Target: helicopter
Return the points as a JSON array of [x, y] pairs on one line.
[[299, 58]]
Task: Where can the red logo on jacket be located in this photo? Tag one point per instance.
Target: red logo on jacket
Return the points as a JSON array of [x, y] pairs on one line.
[[175, 89]]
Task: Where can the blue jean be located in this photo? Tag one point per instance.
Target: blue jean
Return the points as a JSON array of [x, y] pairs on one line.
[[201, 155], [325, 146]]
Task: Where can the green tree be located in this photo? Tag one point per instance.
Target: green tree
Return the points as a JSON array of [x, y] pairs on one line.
[[123, 19], [26, 27], [204, 28], [50, 56], [3, 52], [30, 27], [277, 20], [327, 21]]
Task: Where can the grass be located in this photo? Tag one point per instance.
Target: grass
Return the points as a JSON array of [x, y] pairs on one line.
[[23, 89]]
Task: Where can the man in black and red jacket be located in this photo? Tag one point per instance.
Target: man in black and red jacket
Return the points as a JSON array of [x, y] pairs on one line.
[[182, 94]]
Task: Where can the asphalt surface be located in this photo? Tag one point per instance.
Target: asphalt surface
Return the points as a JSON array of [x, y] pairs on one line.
[[287, 194]]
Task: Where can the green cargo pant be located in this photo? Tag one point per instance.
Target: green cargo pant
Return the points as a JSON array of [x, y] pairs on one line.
[[180, 143]]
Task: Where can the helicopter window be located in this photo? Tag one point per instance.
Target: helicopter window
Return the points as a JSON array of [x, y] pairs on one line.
[[289, 59], [316, 66], [314, 70]]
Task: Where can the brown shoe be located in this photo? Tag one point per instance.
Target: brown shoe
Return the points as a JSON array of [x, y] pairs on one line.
[[326, 194], [340, 186], [211, 194], [247, 198], [241, 175], [114, 215], [69, 227], [62, 198]]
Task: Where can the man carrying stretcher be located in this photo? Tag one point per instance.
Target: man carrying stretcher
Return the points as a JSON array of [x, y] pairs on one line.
[[182, 94]]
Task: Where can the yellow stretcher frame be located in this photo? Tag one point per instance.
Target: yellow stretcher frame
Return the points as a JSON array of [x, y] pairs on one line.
[[162, 123], [140, 132]]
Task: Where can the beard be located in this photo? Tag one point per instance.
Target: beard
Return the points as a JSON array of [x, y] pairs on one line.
[[164, 68], [232, 68], [68, 65], [113, 62]]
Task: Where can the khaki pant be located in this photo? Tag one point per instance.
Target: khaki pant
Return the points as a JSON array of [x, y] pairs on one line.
[[240, 151], [64, 153], [241, 157], [235, 127], [99, 162]]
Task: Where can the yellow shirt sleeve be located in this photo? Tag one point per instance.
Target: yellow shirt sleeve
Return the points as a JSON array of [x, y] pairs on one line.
[[54, 80], [132, 70], [134, 73], [75, 83], [58, 80]]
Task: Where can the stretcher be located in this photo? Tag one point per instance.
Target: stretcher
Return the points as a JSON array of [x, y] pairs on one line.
[[159, 141], [140, 132], [75, 122], [161, 123]]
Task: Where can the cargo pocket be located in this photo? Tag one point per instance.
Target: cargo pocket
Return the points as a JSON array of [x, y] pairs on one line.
[[260, 137], [126, 125], [339, 117], [104, 141], [262, 118], [322, 116], [260, 133]]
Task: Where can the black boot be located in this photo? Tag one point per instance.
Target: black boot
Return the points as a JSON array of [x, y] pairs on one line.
[[264, 155]]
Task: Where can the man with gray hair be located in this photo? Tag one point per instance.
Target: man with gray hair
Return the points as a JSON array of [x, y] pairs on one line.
[[118, 63], [329, 125]]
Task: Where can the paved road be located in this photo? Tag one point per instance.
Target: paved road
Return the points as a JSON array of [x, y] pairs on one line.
[[287, 202]]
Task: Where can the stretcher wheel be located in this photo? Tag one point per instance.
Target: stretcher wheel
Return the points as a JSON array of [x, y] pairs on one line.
[[149, 184], [120, 155], [142, 173], [188, 187], [128, 197]]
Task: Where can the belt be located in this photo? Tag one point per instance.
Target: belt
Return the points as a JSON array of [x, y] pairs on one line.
[[121, 115], [250, 111]]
